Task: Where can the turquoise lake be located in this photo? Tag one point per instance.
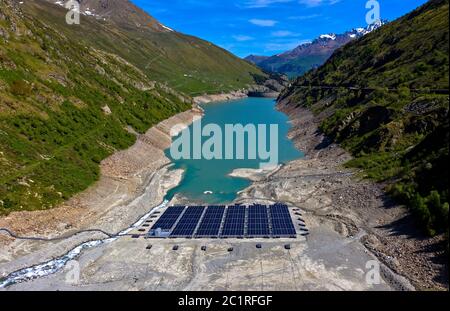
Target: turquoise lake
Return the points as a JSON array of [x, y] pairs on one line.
[[212, 175]]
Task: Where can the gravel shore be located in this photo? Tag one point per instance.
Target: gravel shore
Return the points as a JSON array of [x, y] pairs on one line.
[[336, 198]]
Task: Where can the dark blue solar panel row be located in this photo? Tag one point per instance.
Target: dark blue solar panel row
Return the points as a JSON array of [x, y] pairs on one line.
[[210, 225], [238, 221], [188, 223], [258, 222], [234, 222], [282, 224], [169, 218]]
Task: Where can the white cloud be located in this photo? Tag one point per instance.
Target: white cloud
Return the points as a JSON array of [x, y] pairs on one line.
[[263, 3], [284, 33], [304, 17], [263, 22], [242, 38], [314, 3], [254, 4]]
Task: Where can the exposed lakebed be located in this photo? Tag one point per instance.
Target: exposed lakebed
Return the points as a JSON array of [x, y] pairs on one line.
[[208, 181]]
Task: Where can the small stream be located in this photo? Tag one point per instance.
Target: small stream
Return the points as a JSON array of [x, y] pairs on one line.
[[55, 265]]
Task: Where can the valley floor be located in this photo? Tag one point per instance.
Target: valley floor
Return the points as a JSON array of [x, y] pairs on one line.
[[351, 222]]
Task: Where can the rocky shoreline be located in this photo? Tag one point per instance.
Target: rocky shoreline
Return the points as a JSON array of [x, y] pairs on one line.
[[205, 99], [335, 198], [270, 89]]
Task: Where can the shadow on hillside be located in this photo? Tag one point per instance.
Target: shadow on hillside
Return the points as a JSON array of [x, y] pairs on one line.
[[432, 248], [325, 143], [388, 201], [440, 258], [404, 226]]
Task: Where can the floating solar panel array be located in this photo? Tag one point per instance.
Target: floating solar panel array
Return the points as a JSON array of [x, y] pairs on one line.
[[169, 218], [258, 221], [234, 225], [211, 222], [188, 222], [282, 224], [235, 221]]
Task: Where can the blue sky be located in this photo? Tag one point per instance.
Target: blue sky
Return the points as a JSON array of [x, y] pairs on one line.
[[267, 27]]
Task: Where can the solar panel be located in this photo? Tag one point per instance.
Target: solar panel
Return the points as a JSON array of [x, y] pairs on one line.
[[234, 221], [210, 224], [282, 224], [258, 221], [238, 221], [169, 218], [188, 222]]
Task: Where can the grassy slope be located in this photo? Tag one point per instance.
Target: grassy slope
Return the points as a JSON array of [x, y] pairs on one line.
[[55, 79], [164, 56], [399, 137], [53, 132]]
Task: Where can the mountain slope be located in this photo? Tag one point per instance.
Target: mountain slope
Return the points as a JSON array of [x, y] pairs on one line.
[[255, 59], [63, 108], [307, 56], [185, 63], [390, 117], [122, 12]]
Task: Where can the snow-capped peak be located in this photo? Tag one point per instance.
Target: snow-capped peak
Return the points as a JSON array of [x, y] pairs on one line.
[[166, 28], [368, 29], [87, 11], [328, 36]]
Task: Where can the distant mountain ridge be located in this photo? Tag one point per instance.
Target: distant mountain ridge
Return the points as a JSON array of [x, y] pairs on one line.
[[310, 55], [255, 59]]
